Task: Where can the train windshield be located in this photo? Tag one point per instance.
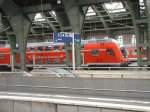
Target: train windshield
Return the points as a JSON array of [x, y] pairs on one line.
[[124, 52]]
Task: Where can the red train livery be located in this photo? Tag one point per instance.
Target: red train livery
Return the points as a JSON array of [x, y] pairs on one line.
[[104, 52], [131, 52]]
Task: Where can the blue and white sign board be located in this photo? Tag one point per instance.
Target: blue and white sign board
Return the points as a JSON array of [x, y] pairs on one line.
[[66, 37]]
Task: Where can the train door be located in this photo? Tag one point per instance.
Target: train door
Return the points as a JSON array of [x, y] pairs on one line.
[[91, 53], [95, 54]]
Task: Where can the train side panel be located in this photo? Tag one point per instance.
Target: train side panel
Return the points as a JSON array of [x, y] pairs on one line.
[[103, 54]]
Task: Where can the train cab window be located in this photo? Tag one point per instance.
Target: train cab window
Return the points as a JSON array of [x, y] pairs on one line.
[[47, 48], [40, 48], [124, 52], [56, 47], [110, 52], [95, 52], [31, 49]]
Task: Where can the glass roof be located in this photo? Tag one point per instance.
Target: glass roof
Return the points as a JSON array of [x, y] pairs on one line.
[[114, 7], [142, 5], [39, 17], [53, 14], [90, 12]]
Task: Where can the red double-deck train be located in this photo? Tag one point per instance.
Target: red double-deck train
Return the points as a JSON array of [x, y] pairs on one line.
[[99, 52], [104, 52], [131, 52]]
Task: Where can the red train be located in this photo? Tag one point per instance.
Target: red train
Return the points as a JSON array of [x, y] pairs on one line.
[[131, 52], [103, 52]]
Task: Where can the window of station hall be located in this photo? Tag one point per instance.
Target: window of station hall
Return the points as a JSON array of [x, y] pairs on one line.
[[39, 17], [53, 14], [133, 41], [120, 40], [114, 7], [90, 12]]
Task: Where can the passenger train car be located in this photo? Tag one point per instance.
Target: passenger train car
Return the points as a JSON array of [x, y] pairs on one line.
[[131, 52], [99, 52], [104, 52]]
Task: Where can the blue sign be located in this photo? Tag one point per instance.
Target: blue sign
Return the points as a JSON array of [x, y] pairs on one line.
[[66, 37]]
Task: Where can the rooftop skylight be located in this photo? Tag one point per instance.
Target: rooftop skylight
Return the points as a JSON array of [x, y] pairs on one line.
[[53, 14], [90, 12], [39, 17], [114, 7], [141, 3]]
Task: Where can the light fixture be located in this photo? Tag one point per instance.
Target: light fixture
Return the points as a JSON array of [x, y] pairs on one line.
[[58, 1]]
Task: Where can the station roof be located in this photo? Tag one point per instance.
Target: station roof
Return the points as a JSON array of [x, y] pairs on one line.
[[101, 18]]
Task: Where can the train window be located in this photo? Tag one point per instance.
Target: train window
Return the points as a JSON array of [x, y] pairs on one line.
[[95, 52], [110, 52], [31, 48], [56, 47], [47, 48], [2, 56], [63, 61], [39, 61], [48, 61], [40, 48], [31, 62], [124, 52], [56, 61]]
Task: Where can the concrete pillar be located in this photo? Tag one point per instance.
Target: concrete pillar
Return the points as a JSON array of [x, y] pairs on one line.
[[135, 14], [76, 18], [78, 54], [75, 14], [20, 25], [21, 31], [148, 35], [1, 23], [12, 41], [68, 51]]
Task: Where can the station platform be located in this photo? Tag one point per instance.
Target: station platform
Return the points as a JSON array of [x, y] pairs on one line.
[[22, 93], [70, 103], [128, 74]]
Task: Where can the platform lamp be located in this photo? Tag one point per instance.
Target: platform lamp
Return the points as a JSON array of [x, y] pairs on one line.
[[58, 1]]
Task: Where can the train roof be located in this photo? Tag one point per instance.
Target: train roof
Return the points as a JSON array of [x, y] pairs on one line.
[[92, 40], [43, 44], [98, 41]]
